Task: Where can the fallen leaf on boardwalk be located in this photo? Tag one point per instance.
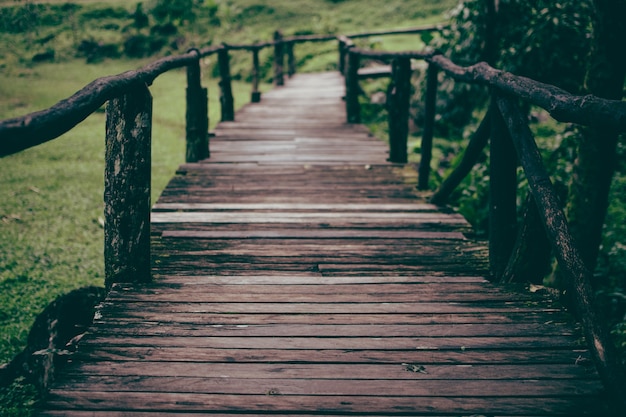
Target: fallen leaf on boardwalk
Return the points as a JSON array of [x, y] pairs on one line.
[[411, 367]]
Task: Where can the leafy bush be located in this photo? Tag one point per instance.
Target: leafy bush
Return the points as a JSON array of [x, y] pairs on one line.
[[95, 51], [29, 16], [140, 46]]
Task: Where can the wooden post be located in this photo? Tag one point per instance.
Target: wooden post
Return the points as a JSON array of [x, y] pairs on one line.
[[430, 110], [279, 59], [127, 187], [255, 97], [502, 194], [353, 108], [398, 99], [341, 65], [226, 90], [197, 116], [291, 59], [472, 153]]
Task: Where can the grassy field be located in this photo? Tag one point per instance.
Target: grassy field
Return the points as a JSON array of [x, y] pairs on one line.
[[51, 234]]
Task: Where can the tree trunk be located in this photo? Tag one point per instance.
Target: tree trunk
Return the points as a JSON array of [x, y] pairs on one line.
[[596, 159]]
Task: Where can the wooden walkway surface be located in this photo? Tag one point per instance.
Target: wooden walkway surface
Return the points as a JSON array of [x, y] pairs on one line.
[[297, 273]]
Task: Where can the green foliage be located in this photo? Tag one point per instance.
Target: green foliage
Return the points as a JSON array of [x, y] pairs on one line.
[[18, 399], [180, 12]]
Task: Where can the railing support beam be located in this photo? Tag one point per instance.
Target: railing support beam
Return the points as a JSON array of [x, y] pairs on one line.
[[471, 155], [577, 275], [502, 194], [398, 101], [197, 115], [127, 187], [430, 111], [279, 59], [291, 59], [226, 90], [353, 108], [255, 96]]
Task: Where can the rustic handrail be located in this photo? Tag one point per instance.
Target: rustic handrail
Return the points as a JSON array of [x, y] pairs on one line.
[[563, 246], [129, 113], [586, 110], [510, 137], [20, 133]]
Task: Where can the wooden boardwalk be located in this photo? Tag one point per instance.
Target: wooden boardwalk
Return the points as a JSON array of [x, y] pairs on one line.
[[298, 273]]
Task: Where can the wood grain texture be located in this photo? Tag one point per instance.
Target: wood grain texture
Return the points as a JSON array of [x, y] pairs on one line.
[[298, 273]]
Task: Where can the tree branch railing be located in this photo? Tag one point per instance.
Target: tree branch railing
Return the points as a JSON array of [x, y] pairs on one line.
[[510, 140], [128, 137]]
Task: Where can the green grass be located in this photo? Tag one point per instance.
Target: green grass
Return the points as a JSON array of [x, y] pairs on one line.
[[51, 206]]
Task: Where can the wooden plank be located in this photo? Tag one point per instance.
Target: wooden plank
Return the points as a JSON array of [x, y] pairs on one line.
[[196, 295], [291, 217], [325, 330], [568, 406], [111, 413], [334, 387], [340, 308], [308, 343], [294, 206], [313, 234], [305, 279], [331, 356], [357, 372]]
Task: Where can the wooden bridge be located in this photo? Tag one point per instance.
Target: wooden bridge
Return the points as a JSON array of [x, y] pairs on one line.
[[297, 272]]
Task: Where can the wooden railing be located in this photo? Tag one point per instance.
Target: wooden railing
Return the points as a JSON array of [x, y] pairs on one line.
[[506, 129], [127, 167], [128, 135]]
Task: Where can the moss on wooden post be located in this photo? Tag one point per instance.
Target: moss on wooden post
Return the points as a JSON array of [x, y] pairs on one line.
[[197, 116], [127, 187], [398, 99], [502, 195], [353, 108], [226, 90], [429, 126], [255, 96], [279, 59]]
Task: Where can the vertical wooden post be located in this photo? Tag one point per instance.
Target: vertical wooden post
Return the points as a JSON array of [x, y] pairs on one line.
[[341, 65], [197, 116], [226, 90], [502, 194], [353, 108], [291, 59], [430, 110], [398, 99], [255, 97], [279, 59], [127, 187]]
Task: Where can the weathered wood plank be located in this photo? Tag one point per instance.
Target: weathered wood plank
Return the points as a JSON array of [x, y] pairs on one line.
[[330, 356], [276, 385], [308, 343], [568, 406], [325, 330], [382, 372]]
